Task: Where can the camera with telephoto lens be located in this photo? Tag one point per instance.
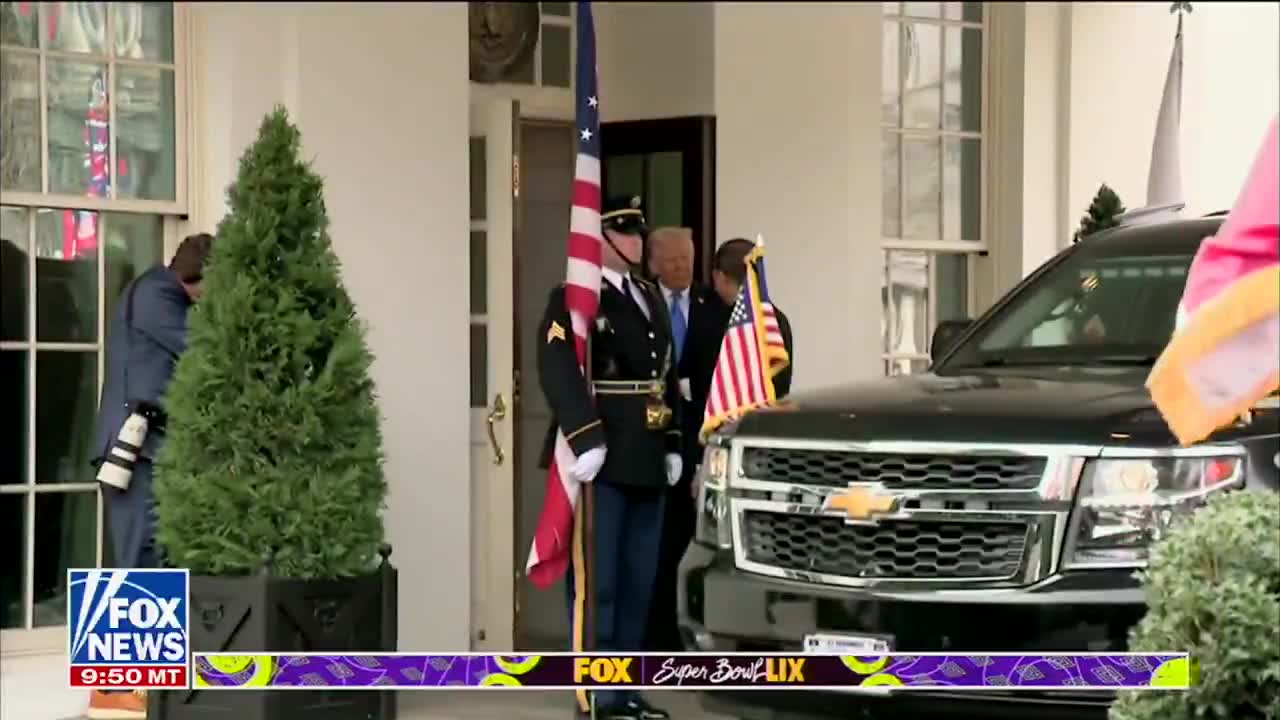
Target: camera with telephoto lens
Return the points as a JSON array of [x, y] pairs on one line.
[[117, 467]]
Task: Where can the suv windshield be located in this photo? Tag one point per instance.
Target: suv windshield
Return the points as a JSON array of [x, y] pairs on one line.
[[1098, 305]]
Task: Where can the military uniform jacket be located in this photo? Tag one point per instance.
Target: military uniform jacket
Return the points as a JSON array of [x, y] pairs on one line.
[[625, 347]]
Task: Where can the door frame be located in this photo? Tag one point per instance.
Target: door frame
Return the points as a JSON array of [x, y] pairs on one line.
[[695, 136]]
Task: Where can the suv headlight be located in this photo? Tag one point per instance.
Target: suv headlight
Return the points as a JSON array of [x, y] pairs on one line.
[[713, 526], [1126, 503]]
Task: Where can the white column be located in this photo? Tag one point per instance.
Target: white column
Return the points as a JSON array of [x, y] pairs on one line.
[[797, 100]]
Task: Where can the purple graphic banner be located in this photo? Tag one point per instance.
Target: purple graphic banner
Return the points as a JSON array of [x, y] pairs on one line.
[[1002, 671]]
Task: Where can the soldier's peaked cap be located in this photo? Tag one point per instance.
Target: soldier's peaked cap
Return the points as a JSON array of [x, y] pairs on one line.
[[623, 214]]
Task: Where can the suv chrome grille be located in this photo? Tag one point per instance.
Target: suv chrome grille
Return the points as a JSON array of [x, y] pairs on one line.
[[894, 471], [891, 549]]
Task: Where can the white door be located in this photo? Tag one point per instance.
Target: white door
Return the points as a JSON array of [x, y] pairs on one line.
[[494, 189]]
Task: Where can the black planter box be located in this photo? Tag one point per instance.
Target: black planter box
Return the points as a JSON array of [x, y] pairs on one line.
[[272, 614]]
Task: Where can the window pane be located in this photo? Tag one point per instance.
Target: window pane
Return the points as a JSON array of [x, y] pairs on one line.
[[18, 24], [922, 9], [922, 81], [66, 276], [79, 27], [134, 244], [624, 175], [891, 8], [143, 30], [890, 77], [14, 273], [479, 365], [13, 370], [19, 121], [891, 189], [906, 366], [555, 56], [908, 302], [886, 307], [13, 533], [66, 536], [665, 202], [79, 153], [479, 272], [560, 9], [964, 11], [146, 156], [478, 178], [951, 288], [921, 183], [66, 405], [962, 189], [962, 90]]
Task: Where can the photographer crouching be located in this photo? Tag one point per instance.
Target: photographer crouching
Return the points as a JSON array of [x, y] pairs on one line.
[[147, 334]]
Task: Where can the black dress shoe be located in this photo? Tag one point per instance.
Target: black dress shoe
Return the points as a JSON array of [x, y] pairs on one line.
[[617, 712], [642, 710]]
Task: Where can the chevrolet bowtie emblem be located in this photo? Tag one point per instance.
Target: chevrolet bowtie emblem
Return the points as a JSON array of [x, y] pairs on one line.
[[862, 503]]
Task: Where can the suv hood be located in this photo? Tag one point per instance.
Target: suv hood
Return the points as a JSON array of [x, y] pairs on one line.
[[1092, 406]]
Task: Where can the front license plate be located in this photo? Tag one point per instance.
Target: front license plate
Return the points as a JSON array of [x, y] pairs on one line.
[[824, 644], [861, 645]]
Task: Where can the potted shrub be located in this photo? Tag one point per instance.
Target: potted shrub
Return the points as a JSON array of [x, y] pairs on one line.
[[1104, 212], [1213, 589], [270, 485]]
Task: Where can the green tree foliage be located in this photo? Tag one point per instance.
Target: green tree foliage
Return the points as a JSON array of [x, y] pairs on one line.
[[1104, 212], [1213, 589], [273, 447]]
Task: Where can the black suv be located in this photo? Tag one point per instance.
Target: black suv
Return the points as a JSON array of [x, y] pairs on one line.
[[1001, 502]]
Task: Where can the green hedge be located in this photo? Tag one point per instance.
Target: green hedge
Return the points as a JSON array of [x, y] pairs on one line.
[[1213, 589]]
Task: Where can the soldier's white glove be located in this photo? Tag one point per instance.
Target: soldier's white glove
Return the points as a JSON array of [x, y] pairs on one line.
[[675, 465], [588, 465]]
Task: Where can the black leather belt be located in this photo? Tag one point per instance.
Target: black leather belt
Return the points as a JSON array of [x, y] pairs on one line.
[[629, 387]]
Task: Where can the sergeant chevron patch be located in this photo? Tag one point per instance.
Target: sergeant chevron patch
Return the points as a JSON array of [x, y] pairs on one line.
[[555, 332]]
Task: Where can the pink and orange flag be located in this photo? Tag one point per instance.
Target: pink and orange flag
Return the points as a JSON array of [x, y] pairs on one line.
[[1225, 354]]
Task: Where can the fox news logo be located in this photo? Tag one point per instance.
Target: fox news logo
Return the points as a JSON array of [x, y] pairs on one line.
[[128, 628]]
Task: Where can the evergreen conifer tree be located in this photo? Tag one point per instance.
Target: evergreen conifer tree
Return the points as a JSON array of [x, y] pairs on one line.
[[1104, 212], [273, 449]]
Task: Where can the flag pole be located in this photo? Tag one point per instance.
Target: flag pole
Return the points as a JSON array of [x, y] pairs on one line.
[[1180, 9]]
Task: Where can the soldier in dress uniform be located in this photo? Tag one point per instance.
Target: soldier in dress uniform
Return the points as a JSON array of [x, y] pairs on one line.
[[626, 442]]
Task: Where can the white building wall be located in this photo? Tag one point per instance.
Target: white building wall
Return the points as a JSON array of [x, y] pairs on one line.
[[380, 92], [1119, 54], [655, 60], [797, 108]]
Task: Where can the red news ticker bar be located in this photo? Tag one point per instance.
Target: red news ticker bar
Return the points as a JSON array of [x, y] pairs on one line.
[[133, 677]]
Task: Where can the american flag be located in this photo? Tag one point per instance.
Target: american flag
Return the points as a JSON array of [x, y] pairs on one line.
[[549, 556], [751, 353]]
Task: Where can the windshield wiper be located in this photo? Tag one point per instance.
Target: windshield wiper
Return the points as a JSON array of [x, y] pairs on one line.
[[1129, 360], [1116, 360], [1005, 362]]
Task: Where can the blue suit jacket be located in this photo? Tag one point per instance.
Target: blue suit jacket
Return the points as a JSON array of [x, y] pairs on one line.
[[150, 349]]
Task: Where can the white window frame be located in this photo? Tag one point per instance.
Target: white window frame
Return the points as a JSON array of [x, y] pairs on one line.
[[974, 249], [31, 640], [537, 100]]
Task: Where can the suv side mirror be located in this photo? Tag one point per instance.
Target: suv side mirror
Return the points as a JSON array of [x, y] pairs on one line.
[[945, 336]]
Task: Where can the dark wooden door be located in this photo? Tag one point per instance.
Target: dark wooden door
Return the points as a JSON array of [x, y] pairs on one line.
[[671, 165]]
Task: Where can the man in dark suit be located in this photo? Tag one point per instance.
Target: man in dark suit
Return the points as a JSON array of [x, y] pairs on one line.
[[728, 272], [625, 447], [147, 334], [698, 319]]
